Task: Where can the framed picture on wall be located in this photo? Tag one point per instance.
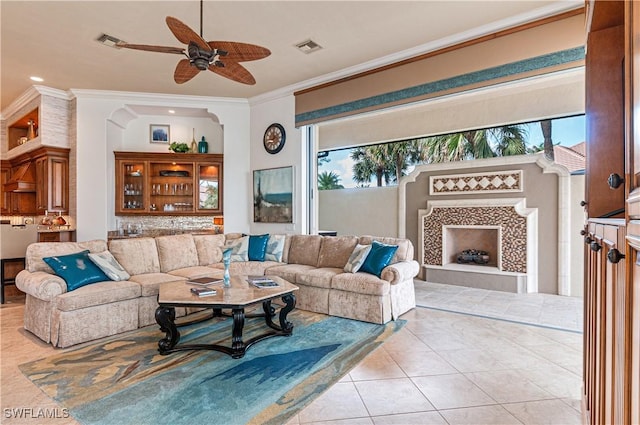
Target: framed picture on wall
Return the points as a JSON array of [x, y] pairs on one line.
[[273, 195], [159, 133]]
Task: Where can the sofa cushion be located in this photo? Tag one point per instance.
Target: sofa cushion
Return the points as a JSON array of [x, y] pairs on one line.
[[239, 248], [136, 255], [335, 250], [209, 248], [77, 269], [288, 271], [357, 257], [275, 248], [305, 249], [319, 278], [248, 267], [109, 265], [98, 294], [405, 247], [37, 251], [257, 247], [361, 283], [378, 258], [150, 282], [176, 252]]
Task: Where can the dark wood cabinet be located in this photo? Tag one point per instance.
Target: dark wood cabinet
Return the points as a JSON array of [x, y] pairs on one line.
[[611, 390], [604, 126], [45, 186], [5, 197], [168, 184], [61, 236], [52, 185]]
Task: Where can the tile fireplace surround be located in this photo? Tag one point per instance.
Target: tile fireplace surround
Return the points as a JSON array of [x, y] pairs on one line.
[[515, 266]]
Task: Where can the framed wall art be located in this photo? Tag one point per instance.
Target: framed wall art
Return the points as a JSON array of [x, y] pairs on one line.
[[273, 195], [159, 133]]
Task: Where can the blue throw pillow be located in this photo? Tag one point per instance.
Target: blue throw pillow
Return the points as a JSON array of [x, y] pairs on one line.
[[257, 247], [76, 269], [379, 257]]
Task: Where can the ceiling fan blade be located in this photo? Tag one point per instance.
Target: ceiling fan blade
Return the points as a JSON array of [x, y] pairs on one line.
[[234, 71], [184, 34], [184, 71], [240, 52], [160, 49]]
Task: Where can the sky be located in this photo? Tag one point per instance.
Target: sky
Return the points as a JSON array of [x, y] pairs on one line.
[[565, 131]]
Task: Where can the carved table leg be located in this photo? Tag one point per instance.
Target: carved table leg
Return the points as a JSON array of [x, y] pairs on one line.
[[237, 345], [166, 318], [290, 303]]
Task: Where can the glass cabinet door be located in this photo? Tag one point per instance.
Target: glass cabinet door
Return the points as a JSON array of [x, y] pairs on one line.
[[133, 186], [209, 193], [171, 188]]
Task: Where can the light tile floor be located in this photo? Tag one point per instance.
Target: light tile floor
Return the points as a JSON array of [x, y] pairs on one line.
[[441, 368], [445, 367]]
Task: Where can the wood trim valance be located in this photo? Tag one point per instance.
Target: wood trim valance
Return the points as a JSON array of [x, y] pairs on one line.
[[550, 46]]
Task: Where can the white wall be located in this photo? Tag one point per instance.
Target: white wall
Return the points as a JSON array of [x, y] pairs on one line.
[[280, 110], [106, 122], [365, 211], [578, 220]]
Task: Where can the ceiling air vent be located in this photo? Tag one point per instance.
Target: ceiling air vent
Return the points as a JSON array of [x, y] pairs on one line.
[[308, 46]]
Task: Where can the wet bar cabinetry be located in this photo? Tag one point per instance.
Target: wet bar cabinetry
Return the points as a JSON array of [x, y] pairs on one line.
[[168, 183], [35, 182]]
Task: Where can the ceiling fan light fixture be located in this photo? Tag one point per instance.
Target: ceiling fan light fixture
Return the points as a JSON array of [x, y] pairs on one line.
[[308, 46], [109, 40]]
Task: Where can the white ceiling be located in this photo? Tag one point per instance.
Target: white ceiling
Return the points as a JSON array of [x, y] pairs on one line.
[[56, 40]]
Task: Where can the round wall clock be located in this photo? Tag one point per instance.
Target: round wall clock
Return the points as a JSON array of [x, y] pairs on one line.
[[274, 138]]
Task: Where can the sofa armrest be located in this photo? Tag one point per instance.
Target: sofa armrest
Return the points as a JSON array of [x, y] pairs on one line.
[[399, 272], [42, 285]]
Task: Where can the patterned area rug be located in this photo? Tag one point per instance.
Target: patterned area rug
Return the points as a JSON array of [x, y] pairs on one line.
[[123, 379]]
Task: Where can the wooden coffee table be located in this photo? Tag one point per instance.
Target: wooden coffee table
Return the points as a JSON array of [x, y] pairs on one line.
[[235, 298]]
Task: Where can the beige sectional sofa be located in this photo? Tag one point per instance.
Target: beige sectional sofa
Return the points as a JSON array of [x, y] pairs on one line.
[[314, 263]]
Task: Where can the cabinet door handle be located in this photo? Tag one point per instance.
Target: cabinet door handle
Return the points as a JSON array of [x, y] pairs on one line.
[[595, 246], [614, 256], [615, 181], [583, 203]]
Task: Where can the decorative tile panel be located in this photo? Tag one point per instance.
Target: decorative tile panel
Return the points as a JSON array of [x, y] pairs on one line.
[[491, 182], [513, 226]]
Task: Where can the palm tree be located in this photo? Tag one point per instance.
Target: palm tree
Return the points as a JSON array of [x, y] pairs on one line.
[[407, 153], [328, 181], [545, 125], [372, 161], [474, 144]]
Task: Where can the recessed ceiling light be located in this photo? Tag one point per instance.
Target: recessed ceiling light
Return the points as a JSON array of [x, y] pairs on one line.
[[171, 111], [37, 79], [308, 46]]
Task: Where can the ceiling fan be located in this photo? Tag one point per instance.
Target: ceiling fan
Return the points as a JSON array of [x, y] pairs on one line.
[[221, 57]]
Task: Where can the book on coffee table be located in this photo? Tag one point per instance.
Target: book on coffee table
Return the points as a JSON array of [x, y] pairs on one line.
[[204, 281], [203, 292], [262, 281]]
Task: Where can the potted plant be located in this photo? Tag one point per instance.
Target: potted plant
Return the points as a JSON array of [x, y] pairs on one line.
[[179, 147]]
